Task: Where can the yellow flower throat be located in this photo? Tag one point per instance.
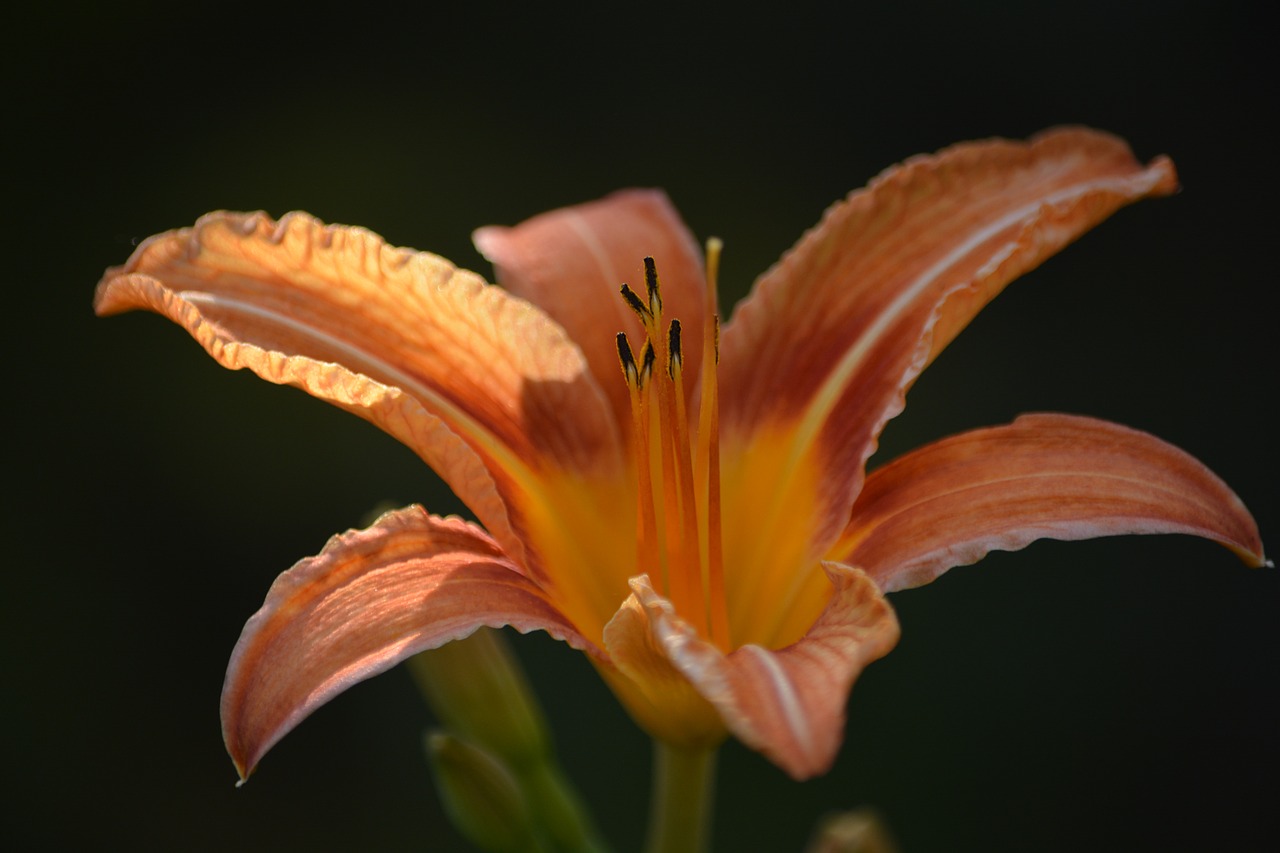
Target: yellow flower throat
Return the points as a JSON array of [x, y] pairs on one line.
[[678, 476]]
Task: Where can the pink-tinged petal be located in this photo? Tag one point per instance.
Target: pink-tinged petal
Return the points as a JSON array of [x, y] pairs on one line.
[[822, 353], [788, 704], [572, 261], [484, 387], [369, 600], [1043, 476]]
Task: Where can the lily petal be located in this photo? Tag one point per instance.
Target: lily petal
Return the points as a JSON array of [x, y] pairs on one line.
[[822, 353], [366, 602], [480, 384], [789, 704], [951, 502], [571, 262], [641, 673]]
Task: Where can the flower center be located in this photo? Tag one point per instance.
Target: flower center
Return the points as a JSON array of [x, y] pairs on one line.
[[678, 473]]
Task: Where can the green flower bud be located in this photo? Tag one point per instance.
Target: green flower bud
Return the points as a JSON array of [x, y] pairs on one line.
[[479, 692], [481, 796]]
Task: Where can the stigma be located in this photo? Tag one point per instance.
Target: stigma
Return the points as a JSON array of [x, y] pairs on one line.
[[677, 462]]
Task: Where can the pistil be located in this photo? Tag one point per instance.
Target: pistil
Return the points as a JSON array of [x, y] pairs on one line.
[[711, 548]]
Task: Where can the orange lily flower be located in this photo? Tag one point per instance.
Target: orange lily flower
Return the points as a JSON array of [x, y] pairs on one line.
[[699, 522]]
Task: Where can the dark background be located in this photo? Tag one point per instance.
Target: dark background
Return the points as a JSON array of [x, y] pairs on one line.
[[1116, 695]]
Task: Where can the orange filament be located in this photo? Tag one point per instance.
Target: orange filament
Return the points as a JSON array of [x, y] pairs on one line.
[[685, 546]]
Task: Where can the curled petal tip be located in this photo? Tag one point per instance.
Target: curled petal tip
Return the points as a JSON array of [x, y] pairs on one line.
[[1252, 557], [1165, 176], [370, 599], [243, 768]]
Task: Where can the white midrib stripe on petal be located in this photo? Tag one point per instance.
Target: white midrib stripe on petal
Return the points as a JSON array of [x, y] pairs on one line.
[[797, 720], [825, 400]]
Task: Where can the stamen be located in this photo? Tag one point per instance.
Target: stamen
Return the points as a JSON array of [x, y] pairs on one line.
[[678, 513], [690, 586], [674, 508], [650, 553]]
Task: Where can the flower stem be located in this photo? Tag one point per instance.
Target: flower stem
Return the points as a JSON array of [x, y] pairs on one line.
[[683, 787]]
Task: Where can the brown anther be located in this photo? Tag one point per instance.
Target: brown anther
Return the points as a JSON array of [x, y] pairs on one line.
[[651, 285], [629, 369], [646, 362], [674, 358], [635, 303]]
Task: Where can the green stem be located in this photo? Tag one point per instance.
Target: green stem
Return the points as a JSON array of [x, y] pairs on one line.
[[683, 786]]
